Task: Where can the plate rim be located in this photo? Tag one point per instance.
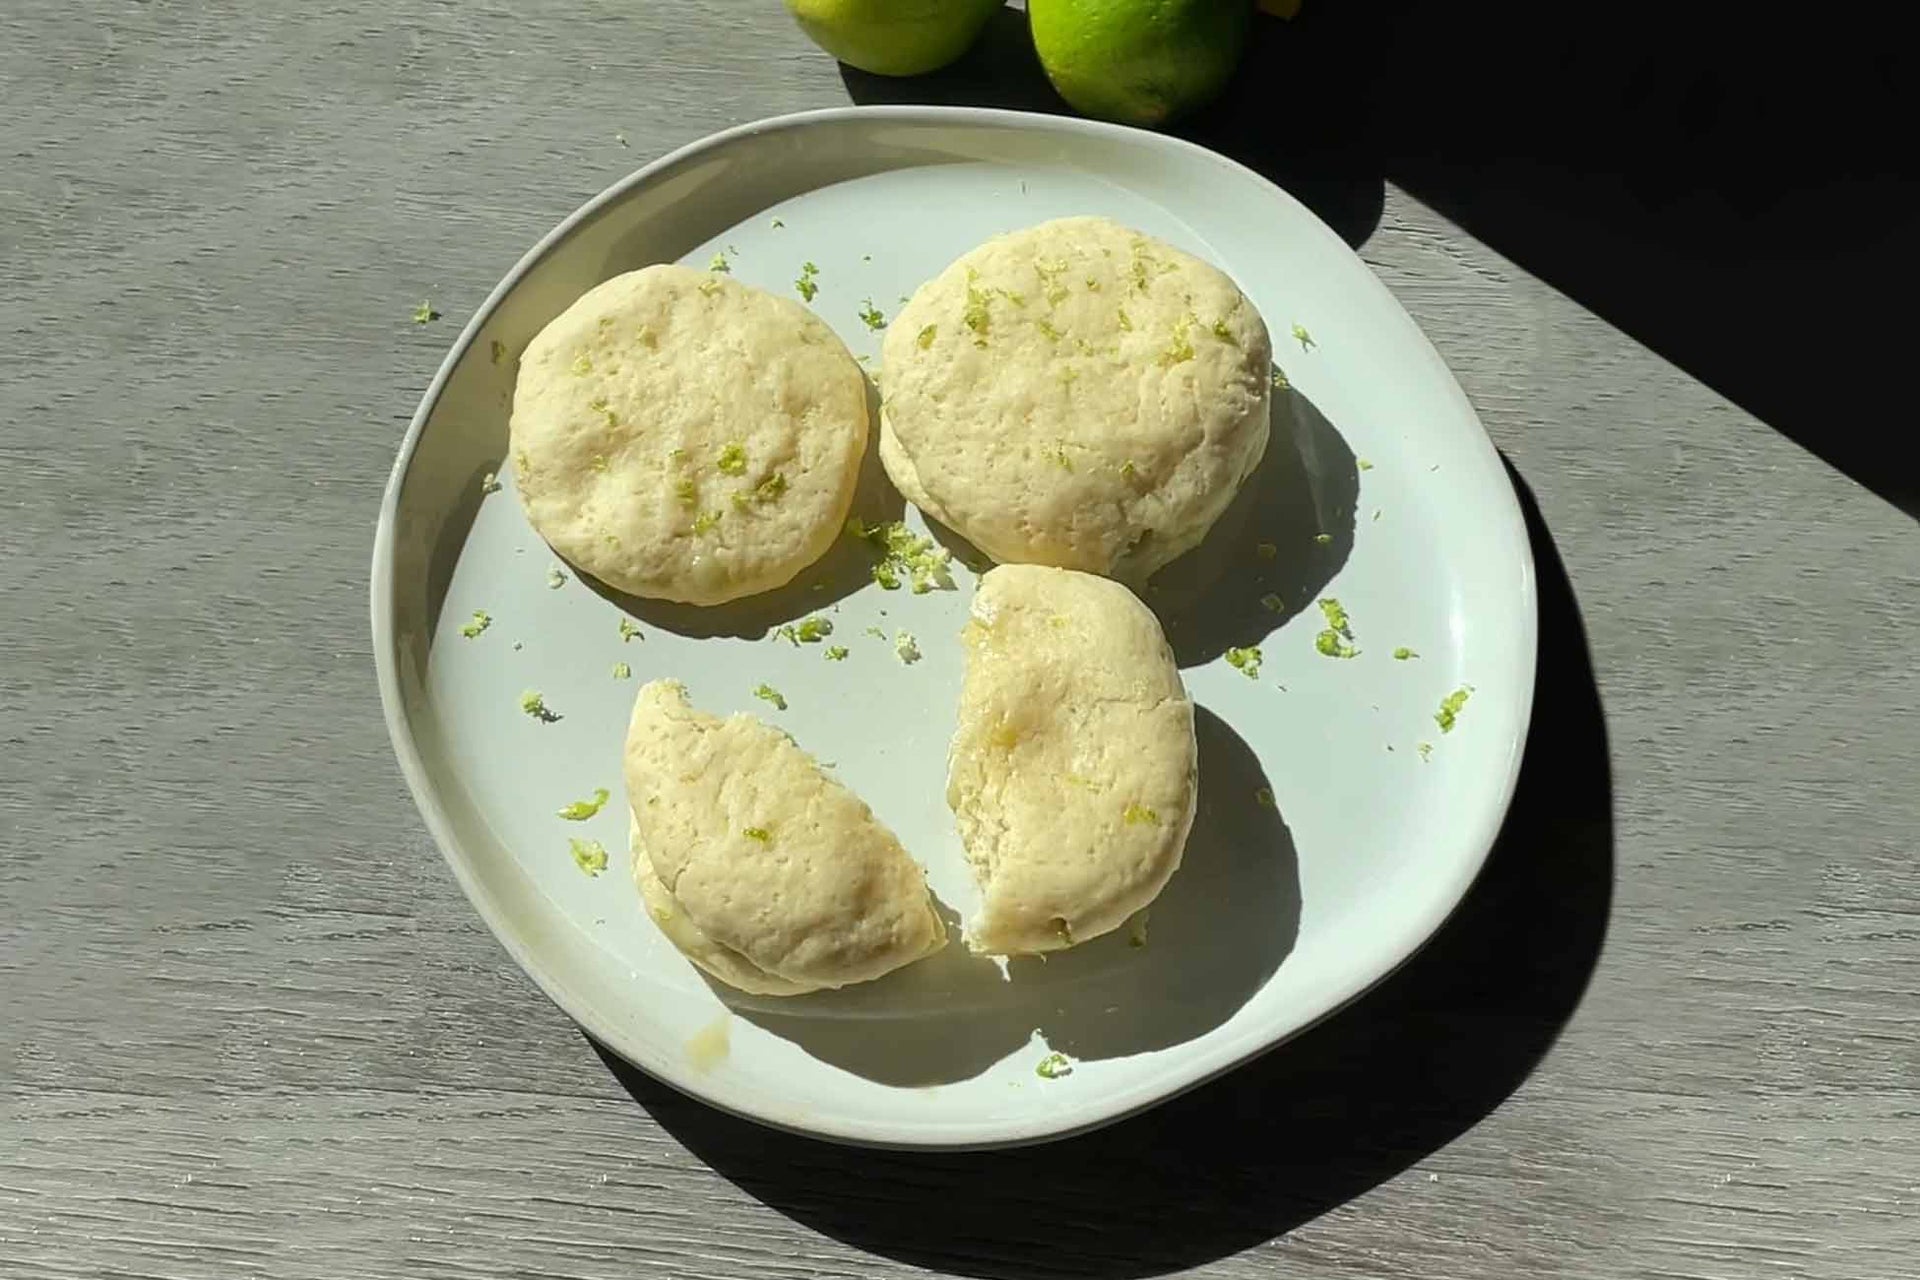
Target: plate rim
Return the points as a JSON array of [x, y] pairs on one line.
[[892, 1135]]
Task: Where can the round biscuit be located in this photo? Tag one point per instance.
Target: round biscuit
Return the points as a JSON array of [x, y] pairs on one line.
[[681, 436], [1076, 394]]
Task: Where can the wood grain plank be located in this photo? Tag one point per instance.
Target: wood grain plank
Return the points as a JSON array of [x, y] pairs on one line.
[[249, 1027]]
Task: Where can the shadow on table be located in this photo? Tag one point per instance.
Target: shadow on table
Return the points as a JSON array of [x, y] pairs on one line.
[[1732, 192], [1003, 71], [1318, 1121]]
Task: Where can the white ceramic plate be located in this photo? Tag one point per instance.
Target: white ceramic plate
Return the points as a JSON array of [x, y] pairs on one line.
[[1280, 915]]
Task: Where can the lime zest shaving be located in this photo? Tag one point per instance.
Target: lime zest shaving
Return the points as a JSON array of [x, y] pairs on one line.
[[629, 632], [582, 365], [804, 283], [975, 314], [907, 555], [1425, 749], [871, 316], [481, 621], [1403, 653], [771, 488], [556, 577], [924, 338], [906, 648], [1137, 928], [732, 460], [1280, 382], [1053, 1066], [1222, 331], [836, 653], [1450, 706], [424, 313], [1323, 539], [786, 633], [1263, 796], [706, 520], [1126, 321], [1246, 661], [1301, 336], [589, 855], [490, 483], [767, 693], [1265, 550], [1336, 640], [581, 810], [760, 834], [1060, 458], [719, 264], [536, 706], [621, 671], [1273, 603], [1127, 470], [813, 630], [1136, 814], [1363, 464]]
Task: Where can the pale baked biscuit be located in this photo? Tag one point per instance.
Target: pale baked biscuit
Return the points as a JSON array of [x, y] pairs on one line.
[[681, 436], [1076, 394], [765, 871], [1073, 769]]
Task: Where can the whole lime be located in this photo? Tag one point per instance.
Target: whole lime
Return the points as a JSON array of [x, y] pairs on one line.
[[894, 37], [1139, 61]]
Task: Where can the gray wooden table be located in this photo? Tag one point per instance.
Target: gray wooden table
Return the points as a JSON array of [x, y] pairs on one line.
[[248, 1026]]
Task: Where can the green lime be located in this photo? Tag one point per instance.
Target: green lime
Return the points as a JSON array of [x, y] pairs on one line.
[[1139, 61], [894, 37]]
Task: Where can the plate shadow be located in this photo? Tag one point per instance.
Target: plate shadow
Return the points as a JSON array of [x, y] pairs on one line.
[[1215, 935], [1263, 561], [1335, 1112]]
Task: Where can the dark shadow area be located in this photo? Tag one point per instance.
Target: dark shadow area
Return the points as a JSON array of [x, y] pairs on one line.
[[1263, 561], [1002, 70], [1735, 191], [1222, 926], [1732, 190], [844, 569], [1338, 1110]]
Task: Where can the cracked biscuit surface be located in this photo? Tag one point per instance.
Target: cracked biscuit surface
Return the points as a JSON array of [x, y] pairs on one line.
[[1073, 769], [760, 867]]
